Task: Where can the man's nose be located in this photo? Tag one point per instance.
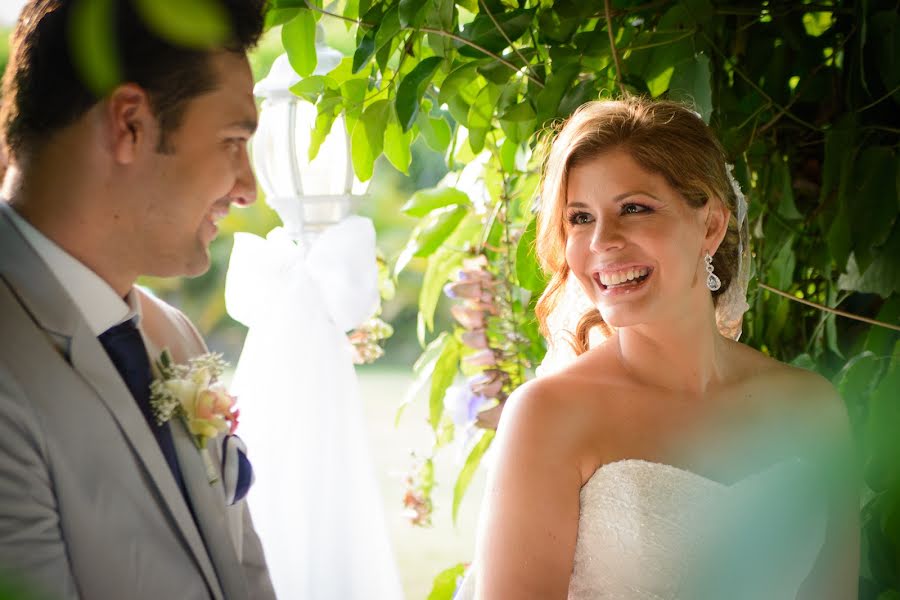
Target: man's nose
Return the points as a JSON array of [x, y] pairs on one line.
[[244, 193]]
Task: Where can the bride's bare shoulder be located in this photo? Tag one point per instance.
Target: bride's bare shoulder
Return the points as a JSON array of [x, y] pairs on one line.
[[794, 388], [566, 403]]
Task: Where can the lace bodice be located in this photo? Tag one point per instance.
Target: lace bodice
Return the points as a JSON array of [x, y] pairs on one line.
[[650, 531]]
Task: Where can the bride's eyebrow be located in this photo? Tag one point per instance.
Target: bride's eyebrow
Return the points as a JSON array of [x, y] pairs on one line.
[[625, 195], [577, 204]]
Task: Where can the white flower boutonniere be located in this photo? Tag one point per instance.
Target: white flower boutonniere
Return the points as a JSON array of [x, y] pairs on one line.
[[192, 393]]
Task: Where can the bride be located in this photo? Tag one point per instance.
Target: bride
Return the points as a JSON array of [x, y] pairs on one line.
[[667, 461]]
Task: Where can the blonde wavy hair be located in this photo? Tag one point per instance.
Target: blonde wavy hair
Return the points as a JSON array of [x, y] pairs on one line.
[[663, 137]]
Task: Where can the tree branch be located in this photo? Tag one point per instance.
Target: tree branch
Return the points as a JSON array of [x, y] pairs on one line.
[[506, 37], [833, 311], [753, 84], [440, 32], [612, 48]]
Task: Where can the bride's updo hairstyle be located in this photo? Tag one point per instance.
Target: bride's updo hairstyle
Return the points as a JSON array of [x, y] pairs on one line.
[[663, 137]]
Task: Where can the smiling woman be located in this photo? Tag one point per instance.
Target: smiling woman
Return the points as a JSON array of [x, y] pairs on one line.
[[612, 450], [663, 163]]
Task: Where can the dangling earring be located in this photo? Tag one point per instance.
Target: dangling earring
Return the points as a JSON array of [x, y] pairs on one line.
[[712, 281]]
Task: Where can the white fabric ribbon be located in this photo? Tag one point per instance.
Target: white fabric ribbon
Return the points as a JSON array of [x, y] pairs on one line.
[[315, 502]]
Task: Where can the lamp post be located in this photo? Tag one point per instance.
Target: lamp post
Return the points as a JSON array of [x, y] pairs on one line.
[[308, 196]]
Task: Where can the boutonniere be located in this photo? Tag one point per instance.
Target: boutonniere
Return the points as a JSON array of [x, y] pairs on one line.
[[193, 394]]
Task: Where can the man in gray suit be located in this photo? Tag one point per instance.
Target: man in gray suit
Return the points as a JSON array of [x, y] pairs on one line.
[[97, 500]]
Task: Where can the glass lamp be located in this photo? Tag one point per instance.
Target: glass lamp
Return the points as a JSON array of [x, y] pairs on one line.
[[308, 196]]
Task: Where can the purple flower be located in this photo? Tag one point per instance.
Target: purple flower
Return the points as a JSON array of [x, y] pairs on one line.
[[468, 317], [463, 289], [488, 383], [475, 339], [462, 404], [484, 358]]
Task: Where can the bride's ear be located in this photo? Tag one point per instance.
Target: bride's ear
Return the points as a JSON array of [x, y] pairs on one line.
[[717, 216]]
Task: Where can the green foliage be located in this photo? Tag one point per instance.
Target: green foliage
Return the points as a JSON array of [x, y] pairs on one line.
[[194, 24], [804, 98], [445, 583]]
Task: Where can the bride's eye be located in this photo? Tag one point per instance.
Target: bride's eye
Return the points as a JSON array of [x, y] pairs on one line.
[[633, 209], [579, 218]]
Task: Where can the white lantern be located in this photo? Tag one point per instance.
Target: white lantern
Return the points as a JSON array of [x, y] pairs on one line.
[[308, 196]]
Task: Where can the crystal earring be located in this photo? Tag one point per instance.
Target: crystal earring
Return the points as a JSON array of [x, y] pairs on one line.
[[712, 280]]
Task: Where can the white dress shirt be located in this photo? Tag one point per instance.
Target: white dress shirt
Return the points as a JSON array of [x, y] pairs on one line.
[[98, 303]]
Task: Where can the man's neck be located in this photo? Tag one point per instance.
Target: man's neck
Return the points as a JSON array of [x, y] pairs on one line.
[[69, 224]]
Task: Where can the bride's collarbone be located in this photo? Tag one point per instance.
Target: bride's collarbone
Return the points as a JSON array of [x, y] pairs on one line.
[[721, 439]]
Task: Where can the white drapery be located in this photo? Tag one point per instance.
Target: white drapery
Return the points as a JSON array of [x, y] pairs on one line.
[[315, 503]]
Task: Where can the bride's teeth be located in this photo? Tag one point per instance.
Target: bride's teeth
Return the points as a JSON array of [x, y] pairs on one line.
[[620, 277]]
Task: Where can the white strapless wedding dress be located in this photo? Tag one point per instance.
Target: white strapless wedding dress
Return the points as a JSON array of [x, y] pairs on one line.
[[650, 531]]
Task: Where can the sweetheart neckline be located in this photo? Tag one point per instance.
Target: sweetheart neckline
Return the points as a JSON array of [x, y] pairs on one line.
[[622, 462]]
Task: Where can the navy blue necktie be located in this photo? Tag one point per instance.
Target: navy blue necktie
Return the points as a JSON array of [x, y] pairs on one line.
[[125, 347]]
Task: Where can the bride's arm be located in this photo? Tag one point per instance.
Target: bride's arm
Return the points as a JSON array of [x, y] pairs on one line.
[[529, 519], [836, 573]]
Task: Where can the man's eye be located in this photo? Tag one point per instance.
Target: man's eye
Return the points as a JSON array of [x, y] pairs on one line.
[[579, 218]]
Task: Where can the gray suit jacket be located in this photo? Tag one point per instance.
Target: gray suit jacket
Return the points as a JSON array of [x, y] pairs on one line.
[[88, 506]]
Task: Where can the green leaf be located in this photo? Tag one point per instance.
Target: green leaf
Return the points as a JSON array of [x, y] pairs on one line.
[[279, 16], [781, 271], [445, 370], [528, 272], [468, 470], [195, 24], [388, 28], [458, 79], [484, 32], [883, 275], [874, 179], [691, 83], [397, 144], [445, 583], [328, 109], [367, 138], [857, 378], [364, 51], [442, 264], [436, 132], [424, 201], [437, 227], [411, 12], [93, 45], [312, 87], [886, 26], [299, 39], [557, 85], [411, 89], [884, 414], [482, 109], [430, 234]]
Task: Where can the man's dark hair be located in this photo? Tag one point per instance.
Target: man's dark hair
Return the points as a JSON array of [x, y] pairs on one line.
[[44, 90]]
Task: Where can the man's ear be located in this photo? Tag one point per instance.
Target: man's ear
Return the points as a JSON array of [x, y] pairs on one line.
[[129, 121], [717, 217]]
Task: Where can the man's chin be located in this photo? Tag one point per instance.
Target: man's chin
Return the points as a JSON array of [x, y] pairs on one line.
[[195, 264]]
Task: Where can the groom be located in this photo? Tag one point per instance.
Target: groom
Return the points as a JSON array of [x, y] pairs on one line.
[[97, 501]]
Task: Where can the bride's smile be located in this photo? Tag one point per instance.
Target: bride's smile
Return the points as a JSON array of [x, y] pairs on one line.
[[633, 242]]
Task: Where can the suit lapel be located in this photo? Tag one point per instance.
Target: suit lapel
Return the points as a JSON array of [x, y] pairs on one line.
[[208, 501], [91, 361], [54, 311]]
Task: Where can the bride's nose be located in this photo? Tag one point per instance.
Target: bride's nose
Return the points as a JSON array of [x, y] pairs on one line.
[[606, 236]]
